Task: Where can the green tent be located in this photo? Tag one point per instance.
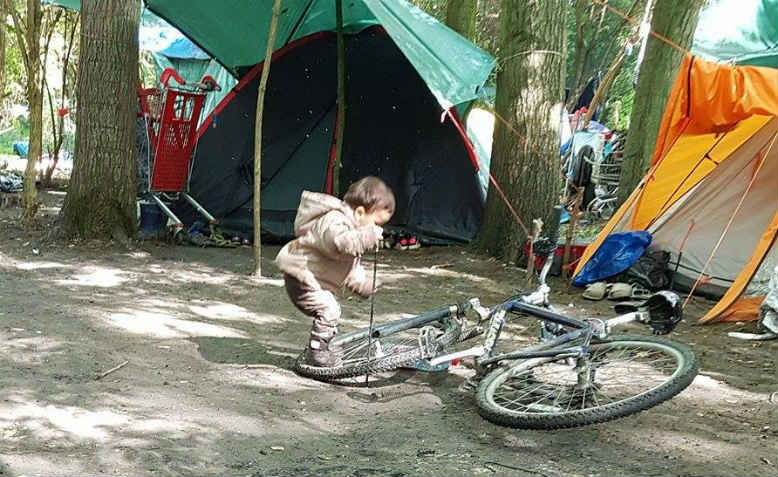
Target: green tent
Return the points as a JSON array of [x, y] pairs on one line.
[[744, 32], [234, 33]]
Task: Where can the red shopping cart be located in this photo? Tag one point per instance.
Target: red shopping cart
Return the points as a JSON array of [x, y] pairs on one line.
[[172, 114]]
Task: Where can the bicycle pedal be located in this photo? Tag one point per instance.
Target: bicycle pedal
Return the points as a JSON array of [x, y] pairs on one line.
[[470, 384]]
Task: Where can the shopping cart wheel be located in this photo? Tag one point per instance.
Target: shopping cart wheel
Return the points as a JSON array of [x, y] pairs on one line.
[[179, 237]]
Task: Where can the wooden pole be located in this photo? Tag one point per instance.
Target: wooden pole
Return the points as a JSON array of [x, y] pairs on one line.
[[341, 122], [574, 214], [271, 39], [537, 225]]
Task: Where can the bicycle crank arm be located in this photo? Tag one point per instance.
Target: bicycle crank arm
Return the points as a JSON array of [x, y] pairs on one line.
[[474, 351], [626, 318]]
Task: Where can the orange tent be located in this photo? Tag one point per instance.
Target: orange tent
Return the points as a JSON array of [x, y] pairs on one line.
[[712, 189]]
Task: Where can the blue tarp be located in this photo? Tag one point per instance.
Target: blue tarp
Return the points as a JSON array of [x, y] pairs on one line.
[[617, 253]]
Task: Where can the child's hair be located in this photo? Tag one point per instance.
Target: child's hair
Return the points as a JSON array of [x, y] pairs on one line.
[[371, 193]]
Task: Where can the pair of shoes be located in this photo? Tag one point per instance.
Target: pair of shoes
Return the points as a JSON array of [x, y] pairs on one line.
[[596, 291], [389, 240], [627, 291], [407, 242], [615, 291]]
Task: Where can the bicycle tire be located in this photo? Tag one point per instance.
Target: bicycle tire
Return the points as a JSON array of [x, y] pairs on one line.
[[395, 357], [544, 416]]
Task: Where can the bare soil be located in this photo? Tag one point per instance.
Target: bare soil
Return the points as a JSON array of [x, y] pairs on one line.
[[207, 388]]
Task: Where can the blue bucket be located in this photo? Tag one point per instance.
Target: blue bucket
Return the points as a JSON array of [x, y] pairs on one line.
[[152, 219]]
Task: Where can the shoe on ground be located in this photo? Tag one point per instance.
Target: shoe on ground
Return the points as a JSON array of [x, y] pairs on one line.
[[401, 244], [413, 243]]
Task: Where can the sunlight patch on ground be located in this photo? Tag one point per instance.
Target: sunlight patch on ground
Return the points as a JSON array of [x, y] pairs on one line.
[[709, 390], [172, 429], [230, 312], [442, 272], [276, 282], [188, 276], [96, 277], [270, 376], [667, 442], [160, 325], [40, 265], [58, 422]]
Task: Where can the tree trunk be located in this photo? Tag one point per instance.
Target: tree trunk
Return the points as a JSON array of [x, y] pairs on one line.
[[676, 21], [101, 197], [460, 17], [35, 103], [271, 39], [529, 95], [3, 17], [341, 123]]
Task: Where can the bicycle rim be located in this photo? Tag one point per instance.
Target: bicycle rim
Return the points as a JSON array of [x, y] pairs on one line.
[[628, 374], [388, 352]]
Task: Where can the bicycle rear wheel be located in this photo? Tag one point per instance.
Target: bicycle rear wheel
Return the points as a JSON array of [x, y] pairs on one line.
[[403, 346], [624, 375]]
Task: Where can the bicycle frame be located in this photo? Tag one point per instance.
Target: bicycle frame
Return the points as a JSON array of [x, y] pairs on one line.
[[527, 305]]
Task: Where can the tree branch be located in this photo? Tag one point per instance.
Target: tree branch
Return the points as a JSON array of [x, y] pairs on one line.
[[20, 33]]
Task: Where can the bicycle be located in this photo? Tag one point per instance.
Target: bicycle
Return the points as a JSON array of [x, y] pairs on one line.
[[578, 374]]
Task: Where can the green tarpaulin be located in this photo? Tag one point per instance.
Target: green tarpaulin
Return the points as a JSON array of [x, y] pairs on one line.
[[234, 32], [742, 31]]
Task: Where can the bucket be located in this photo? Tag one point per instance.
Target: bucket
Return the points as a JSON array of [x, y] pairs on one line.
[[152, 219]]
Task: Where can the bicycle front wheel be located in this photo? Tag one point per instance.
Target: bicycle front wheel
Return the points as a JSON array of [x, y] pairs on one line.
[[623, 375]]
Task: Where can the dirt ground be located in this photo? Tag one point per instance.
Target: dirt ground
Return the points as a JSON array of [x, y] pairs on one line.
[[207, 388]]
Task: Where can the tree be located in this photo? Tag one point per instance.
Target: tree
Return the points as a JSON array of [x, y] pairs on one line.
[[525, 157], [595, 32], [676, 21], [2, 57], [271, 41], [460, 16], [100, 202], [27, 33], [57, 116]]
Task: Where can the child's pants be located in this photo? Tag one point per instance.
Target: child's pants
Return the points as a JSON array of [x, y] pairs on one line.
[[317, 303]]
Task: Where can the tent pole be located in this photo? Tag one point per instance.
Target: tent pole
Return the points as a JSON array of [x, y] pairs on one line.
[[271, 39], [341, 122]]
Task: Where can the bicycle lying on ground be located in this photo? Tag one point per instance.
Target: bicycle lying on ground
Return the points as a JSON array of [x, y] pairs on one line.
[[578, 374]]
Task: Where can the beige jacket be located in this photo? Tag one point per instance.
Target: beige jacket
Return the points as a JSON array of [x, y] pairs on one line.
[[328, 247]]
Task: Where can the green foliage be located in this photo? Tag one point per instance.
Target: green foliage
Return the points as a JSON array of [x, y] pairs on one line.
[[622, 94], [20, 132]]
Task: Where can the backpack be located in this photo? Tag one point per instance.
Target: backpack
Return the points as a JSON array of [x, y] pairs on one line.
[[651, 271]]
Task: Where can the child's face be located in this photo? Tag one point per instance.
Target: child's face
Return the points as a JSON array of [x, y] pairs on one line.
[[372, 217]]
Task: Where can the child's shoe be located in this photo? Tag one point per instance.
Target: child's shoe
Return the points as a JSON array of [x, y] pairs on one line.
[[324, 357], [413, 243]]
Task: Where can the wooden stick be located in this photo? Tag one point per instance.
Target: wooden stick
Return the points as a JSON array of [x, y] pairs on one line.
[[271, 40], [571, 226], [115, 368]]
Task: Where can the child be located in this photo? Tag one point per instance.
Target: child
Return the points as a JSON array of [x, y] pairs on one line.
[[325, 257]]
